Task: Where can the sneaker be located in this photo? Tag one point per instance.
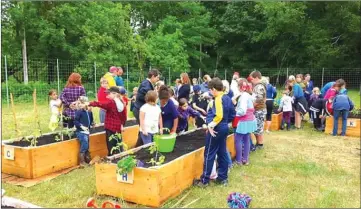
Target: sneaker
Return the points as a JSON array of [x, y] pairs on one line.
[[282, 127], [267, 131], [199, 183], [259, 147], [245, 163], [221, 182], [253, 148]]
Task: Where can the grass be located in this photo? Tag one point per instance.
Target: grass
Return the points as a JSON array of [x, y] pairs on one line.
[[296, 169]]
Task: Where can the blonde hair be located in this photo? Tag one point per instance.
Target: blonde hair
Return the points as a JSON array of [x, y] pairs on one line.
[[316, 90], [151, 97], [225, 86]]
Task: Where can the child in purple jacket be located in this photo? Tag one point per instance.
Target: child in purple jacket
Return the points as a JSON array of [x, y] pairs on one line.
[[184, 112]]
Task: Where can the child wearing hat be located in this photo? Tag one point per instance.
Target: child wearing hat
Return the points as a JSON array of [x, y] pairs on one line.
[[114, 117]]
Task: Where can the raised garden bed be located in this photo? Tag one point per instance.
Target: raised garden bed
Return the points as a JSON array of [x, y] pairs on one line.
[[276, 120], [353, 124], [152, 186], [20, 159]]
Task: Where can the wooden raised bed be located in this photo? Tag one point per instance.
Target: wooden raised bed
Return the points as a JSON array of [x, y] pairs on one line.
[[33, 162], [353, 126], [276, 121], [154, 185]]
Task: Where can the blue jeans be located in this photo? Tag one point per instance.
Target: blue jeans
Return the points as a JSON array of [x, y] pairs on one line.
[[146, 139], [336, 115], [101, 115], [216, 146], [84, 141]]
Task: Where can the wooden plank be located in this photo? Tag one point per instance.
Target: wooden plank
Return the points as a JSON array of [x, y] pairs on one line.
[[130, 136], [144, 190], [350, 131], [56, 157], [20, 166], [98, 145]]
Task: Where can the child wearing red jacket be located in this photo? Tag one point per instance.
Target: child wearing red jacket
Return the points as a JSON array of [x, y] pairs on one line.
[[114, 118]]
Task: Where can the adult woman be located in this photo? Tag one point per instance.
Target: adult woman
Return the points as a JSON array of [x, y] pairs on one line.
[[185, 90], [72, 91], [271, 94], [169, 110]]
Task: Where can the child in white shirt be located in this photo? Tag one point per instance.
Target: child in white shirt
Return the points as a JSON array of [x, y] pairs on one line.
[[55, 108], [286, 108], [150, 118]]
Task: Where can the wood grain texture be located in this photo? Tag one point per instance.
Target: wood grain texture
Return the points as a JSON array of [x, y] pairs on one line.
[[350, 131]]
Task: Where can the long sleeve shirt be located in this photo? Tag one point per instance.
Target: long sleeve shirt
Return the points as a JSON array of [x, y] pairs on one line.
[[70, 95], [102, 95], [183, 116], [221, 111], [298, 91], [119, 81], [271, 92], [83, 118], [184, 91], [114, 117], [330, 94]]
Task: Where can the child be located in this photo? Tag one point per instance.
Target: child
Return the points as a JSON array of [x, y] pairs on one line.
[[341, 107], [286, 108], [271, 94], [221, 113], [314, 96], [333, 91], [300, 102], [320, 109], [169, 110], [82, 121], [185, 112], [246, 124], [133, 97], [200, 104], [55, 105], [150, 118], [114, 117], [102, 97], [172, 97]]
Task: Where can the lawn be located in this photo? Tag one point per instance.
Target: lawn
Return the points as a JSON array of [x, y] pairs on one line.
[[296, 169]]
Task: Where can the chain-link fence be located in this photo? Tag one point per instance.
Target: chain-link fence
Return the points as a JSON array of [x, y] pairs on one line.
[[46, 74]]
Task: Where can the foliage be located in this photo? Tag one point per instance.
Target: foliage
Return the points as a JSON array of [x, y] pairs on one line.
[[118, 137], [159, 158], [126, 164], [64, 131], [34, 138]]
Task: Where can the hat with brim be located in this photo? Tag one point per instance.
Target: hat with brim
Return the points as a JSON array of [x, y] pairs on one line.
[[114, 89]]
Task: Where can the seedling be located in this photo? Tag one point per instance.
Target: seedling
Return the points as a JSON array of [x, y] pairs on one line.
[[154, 149], [119, 145], [126, 164], [34, 138]]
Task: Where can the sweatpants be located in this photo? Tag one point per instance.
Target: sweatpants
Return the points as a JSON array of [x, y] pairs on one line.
[[242, 145], [216, 146]]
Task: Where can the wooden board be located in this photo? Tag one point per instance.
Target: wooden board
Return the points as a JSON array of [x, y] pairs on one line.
[[21, 165], [154, 186], [130, 136], [276, 122], [353, 130]]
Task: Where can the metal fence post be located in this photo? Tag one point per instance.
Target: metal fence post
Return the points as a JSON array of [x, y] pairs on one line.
[[57, 73], [323, 72], [287, 74], [169, 80], [127, 76], [225, 74], [6, 80], [95, 77]]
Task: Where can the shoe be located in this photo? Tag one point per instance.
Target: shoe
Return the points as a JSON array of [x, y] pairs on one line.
[[221, 182], [87, 157], [199, 183], [282, 127], [82, 160], [253, 148], [245, 163], [267, 131], [259, 147]]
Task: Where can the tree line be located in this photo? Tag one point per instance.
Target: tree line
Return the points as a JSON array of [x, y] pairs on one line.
[[185, 36]]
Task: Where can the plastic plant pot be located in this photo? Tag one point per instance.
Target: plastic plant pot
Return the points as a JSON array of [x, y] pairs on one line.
[[165, 142]]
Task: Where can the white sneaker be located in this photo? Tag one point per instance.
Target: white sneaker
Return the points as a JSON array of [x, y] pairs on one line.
[[267, 131]]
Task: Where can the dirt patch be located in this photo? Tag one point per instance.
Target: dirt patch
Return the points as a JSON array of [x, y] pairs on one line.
[[184, 144], [50, 138]]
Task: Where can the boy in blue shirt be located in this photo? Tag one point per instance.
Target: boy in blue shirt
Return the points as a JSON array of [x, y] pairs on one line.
[[341, 106], [219, 115]]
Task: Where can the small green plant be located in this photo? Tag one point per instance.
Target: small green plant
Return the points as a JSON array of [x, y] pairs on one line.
[[154, 149], [118, 147], [64, 131], [356, 111], [126, 164], [34, 138]]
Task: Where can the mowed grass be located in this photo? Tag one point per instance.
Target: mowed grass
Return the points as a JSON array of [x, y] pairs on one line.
[[296, 169]]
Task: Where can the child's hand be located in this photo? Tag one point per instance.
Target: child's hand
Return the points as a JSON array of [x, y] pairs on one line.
[[203, 112], [279, 110], [144, 133], [161, 131], [84, 128]]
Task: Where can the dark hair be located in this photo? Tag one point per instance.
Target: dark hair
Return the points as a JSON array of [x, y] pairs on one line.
[[163, 92], [153, 72], [182, 102], [51, 91], [337, 85], [299, 76], [256, 74], [216, 83], [151, 96], [307, 75], [341, 82]]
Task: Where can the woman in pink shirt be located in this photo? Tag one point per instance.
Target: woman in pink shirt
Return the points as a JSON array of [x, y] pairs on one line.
[[333, 91]]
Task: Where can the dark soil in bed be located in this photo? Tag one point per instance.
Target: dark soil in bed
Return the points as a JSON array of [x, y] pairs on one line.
[[50, 139], [354, 115], [184, 144], [5, 206]]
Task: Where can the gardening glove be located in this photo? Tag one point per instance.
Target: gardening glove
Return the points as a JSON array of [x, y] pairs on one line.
[[84, 128]]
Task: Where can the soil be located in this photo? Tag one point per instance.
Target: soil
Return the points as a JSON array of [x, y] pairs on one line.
[[275, 110], [354, 115], [184, 144], [49, 139], [5, 206]]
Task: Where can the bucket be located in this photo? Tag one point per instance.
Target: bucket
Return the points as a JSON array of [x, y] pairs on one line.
[[165, 142]]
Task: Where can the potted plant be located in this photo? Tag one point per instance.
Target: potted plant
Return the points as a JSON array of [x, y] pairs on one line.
[[165, 142]]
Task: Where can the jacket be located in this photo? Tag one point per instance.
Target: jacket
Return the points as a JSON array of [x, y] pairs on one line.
[[144, 87], [83, 118], [183, 116], [342, 102], [184, 91], [221, 112], [326, 87], [271, 91], [114, 120]]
